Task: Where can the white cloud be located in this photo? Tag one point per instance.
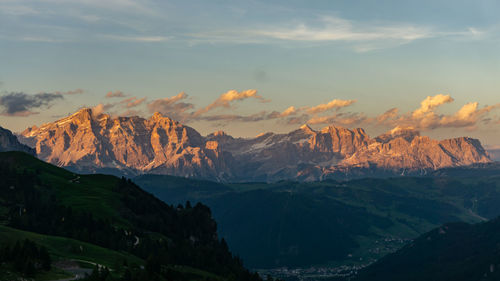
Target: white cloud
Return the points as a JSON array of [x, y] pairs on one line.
[[225, 100], [426, 116], [150, 39], [336, 103], [430, 103]]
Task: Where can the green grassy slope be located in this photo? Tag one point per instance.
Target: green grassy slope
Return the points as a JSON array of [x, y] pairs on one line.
[[85, 254], [62, 248], [81, 192]]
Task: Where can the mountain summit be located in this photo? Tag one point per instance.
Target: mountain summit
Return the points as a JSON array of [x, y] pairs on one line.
[[91, 142]]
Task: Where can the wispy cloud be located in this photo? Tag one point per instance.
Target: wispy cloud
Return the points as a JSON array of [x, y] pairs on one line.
[[175, 107], [362, 36], [39, 39], [149, 21], [133, 102], [131, 38], [115, 94], [289, 111], [336, 103], [348, 119], [18, 10], [338, 29], [72, 92], [129, 6], [228, 97]]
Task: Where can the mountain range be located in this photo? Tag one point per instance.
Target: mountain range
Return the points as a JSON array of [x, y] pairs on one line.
[[89, 142]]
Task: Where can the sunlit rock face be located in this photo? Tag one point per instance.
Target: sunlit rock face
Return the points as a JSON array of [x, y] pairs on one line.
[[155, 145], [336, 152], [9, 142], [160, 145]]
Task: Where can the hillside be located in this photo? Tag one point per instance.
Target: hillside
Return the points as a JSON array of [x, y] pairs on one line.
[[454, 251], [108, 215], [331, 222], [88, 142]]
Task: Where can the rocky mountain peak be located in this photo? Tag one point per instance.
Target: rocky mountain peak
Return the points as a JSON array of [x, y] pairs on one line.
[[158, 117], [82, 114], [219, 133], [308, 130]]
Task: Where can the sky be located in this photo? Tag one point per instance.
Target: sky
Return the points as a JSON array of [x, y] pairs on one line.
[[248, 67]]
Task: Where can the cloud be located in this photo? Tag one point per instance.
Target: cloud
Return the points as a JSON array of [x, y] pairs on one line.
[[289, 111], [297, 120], [338, 29], [342, 119], [115, 94], [173, 107], [323, 29], [467, 116], [131, 112], [101, 108], [336, 103], [22, 104], [18, 10], [41, 39], [144, 39], [426, 116], [228, 97], [133, 102], [72, 92], [389, 114], [430, 103], [362, 36], [260, 116]]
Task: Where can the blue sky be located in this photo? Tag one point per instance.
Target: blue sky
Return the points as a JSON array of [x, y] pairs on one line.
[[369, 56]]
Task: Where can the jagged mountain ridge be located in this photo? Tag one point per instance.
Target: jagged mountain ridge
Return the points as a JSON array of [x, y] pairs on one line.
[[160, 145], [155, 145], [9, 142]]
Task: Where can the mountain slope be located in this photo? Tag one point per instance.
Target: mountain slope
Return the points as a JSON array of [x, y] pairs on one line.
[[341, 222], [159, 145], [111, 213], [9, 142], [454, 251]]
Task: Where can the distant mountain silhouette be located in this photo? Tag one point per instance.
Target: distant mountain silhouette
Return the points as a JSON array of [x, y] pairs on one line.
[[9, 142]]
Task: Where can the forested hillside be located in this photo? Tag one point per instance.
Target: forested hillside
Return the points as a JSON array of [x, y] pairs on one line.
[[115, 215]]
